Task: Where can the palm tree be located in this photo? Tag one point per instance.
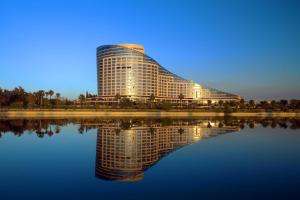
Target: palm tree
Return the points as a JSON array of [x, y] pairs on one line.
[[57, 97], [50, 93], [117, 98], [41, 94], [273, 104], [20, 93], [81, 99], [30, 100], [283, 104], [221, 103], [252, 103], [151, 98], [36, 97], [181, 97], [46, 95], [242, 103], [209, 102]]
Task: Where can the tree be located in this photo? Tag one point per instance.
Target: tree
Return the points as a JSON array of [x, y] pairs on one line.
[[283, 102], [20, 93], [295, 104], [181, 97], [228, 108], [242, 103], [125, 102], [81, 99], [50, 92], [252, 103], [19, 98], [284, 105], [151, 99], [165, 105], [40, 95], [117, 98], [209, 102], [36, 98], [221, 103], [57, 97], [264, 105], [273, 104], [30, 100], [46, 94]]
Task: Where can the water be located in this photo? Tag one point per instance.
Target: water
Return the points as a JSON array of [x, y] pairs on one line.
[[215, 158]]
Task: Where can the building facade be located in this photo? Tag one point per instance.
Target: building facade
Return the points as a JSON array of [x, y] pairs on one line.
[[126, 70]]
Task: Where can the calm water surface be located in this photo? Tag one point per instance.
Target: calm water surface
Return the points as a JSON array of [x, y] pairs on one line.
[[215, 158]]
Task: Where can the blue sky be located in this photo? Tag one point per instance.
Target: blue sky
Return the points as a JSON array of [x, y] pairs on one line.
[[251, 48]]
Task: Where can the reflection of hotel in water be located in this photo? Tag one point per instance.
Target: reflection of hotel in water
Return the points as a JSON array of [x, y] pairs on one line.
[[124, 154]]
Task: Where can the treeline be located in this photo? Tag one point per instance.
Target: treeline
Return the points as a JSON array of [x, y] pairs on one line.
[[220, 106], [257, 106], [19, 98]]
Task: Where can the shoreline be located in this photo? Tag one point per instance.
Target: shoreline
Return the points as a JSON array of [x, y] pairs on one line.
[[131, 114]]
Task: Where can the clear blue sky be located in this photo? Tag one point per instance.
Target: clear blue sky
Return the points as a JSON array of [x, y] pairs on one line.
[[251, 48]]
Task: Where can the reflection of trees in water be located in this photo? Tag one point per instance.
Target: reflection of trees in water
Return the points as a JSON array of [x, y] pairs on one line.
[[50, 127]]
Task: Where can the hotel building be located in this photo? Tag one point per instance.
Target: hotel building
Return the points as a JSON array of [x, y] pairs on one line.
[[126, 70]]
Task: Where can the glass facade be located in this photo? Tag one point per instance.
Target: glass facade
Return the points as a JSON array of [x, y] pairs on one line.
[[126, 70]]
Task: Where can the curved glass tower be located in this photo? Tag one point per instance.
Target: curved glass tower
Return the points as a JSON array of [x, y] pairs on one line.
[[126, 70]]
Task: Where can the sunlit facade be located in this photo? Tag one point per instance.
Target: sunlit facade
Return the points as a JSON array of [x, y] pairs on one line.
[[126, 70], [123, 154]]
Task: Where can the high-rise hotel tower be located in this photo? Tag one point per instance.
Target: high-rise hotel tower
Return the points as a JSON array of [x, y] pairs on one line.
[[126, 70]]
